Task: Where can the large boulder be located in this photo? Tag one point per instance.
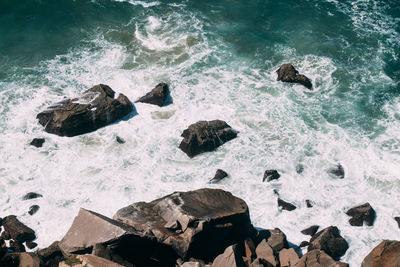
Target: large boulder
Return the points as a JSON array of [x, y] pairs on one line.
[[318, 258], [363, 213], [204, 136], [198, 224], [94, 109], [287, 73], [157, 96], [330, 241], [17, 230], [386, 254], [265, 252]]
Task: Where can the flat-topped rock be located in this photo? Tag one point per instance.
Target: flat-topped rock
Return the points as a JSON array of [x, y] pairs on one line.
[[204, 136], [94, 109], [287, 73], [198, 224]]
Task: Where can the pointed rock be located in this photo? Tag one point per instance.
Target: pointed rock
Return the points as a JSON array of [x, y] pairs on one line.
[[17, 230], [287, 73], [363, 213], [286, 205], [310, 230], [157, 96], [277, 240], [288, 257], [231, 257], [265, 251], [219, 175], [386, 254]]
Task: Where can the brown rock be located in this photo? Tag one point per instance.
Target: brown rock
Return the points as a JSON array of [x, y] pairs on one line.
[[318, 258], [337, 171], [20, 260], [219, 175], [330, 241], [277, 240], [37, 142], [52, 255], [18, 231], [286, 205], [5, 235], [265, 251], [231, 257], [386, 254], [157, 96], [270, 175], [204, 136], [94, 261], [287, 73], [249, 249], [310, 230], [288, 257], [94, 109], [360, 214], [17, 247]]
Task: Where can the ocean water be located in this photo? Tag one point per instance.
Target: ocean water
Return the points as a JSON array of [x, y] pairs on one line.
[[219, 59]]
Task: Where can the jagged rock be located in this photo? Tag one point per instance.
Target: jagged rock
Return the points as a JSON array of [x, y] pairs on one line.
[[288, 257], [37, 142], [94, 109], [360, 214], [260, 263], [209, 219], [88, 260], [17, 247], [231, 257], [204, 136], [157, 96], [30, 244], [33, 209], [330, 241], [219, 175], [309, 203], [277, 240], [338, 171], [310, 230], [20, 260], [318, 258], [52, 255], [90, 228], [120, 140], [266, 252], [386, 254], [270, 175], [249, 249], [286, 205], [397, 219], [31, 195], [287, 73], [18, 231], [304, 244]]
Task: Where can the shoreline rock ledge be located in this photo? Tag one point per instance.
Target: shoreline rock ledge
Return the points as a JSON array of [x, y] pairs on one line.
[[94, 109]]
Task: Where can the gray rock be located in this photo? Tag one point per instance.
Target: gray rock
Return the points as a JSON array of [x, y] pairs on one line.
[[286, 205], [31, 195], [338, 171], [157, 96], [33, 209], [363, 213], [120, 140], [287, 73], [330, 241], [219, 175]]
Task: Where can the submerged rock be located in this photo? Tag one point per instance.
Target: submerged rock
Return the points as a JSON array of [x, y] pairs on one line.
[[309, 203], [18, 231], [157, 96], [363, 213], [287, 73], [386, 254], [330, 241], [338, 171], [31, 195], [37, 142], [94, 109], [204, 136], [120, 140], [286, 205], [219, 175], [270, 175], [397, 219]]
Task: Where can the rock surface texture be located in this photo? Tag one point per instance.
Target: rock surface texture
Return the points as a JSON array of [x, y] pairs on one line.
[[330, 241], [204, 136], [386, 254], [287, 73], [157, 96], [318, 258], [363, 213], [18, 231], [94, 109]]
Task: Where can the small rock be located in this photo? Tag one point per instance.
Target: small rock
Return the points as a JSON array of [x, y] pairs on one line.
[[18, 231], [264, 251], [37, 142], [386, 254], [219, 175], [304, 244], [299, 168], [231, 257], [276, 192], [5, 235], [286, 205], [288, 257], [397, 219], [360, 214], [270, 175], [337, 171], [31, 195], [157, 96], [17, 247], [310, 230], [287, 73], [31, 245], [330, 241], [309, 203], [33, 209], [277, 240], [120, 140]]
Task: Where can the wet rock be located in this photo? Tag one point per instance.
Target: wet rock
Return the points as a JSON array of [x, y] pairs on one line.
[[397, 219], [277, 240], [386, 254], [37, 142], [3, 248], [231, 257], [363, 213], [219, 175], [318, 258], [265, 251], [31, 245], [94, 109], [18, 231], [310, 230], [285, 205], [51, 255], [120, 140], [205, 136], [210, 220], [287, 73], [157, 96], [270, 175], [288, 257], [338, 171], [299, 168], [33, 209], [17, 247], [304, 244], [5, 235], [31, 195], [330, 241], [309, 203], [1, 221]]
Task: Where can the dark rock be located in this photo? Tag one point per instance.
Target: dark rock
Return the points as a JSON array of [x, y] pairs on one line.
[[304, 244], [120, 140], [31, 195], [288, 257], [52, 255], [31, 245], [101, 251], [94, 109], [286, 205], [33, 209], [360, 214], [265, 251], [260, 263], [20, 260], [5, 235], [277, 240], [259, 235], [1, 221], [210, 220], [386, 254], [18, 231], [157, 96], [3, 248], [232, 257], [397, 219], [17, 247], [309, 203], [337, 171], [270, 175], [219, 175], [299, 168], [276, 192], [249, 249], [204, 136], [330, 241], [287, 73], [37, 142], [310, 230], [318, 258]]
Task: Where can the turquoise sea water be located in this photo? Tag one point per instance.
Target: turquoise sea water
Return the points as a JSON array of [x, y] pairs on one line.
[[219, 58]]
